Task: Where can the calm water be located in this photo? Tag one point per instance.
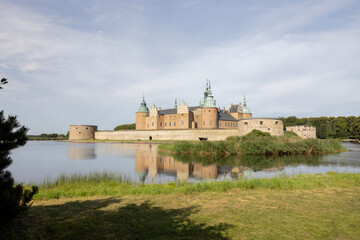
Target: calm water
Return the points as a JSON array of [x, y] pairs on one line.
[[141, 162]]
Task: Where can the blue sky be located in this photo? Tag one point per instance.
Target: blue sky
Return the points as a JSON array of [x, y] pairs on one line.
[[89, 62]]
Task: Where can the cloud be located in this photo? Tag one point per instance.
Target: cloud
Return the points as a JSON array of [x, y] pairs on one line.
[[95, 67]]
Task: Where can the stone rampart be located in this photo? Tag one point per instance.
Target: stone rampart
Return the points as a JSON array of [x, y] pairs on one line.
[[273, 126], [303, 131], [188, 134]]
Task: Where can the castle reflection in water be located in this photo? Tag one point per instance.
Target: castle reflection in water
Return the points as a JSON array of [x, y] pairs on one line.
[[148, 163]]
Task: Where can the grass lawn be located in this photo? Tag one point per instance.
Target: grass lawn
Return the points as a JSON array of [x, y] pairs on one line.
[[322, 212]]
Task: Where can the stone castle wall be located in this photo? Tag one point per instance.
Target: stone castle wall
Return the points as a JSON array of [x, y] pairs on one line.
[[188, 134], [273, 126], [78, 132], [303, 131]]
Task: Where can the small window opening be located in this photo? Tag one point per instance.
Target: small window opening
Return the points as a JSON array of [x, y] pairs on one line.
[[261, 122]]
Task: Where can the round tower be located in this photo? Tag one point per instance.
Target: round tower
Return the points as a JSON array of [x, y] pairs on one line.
[[82, 132], [141, 114], [209, 112]]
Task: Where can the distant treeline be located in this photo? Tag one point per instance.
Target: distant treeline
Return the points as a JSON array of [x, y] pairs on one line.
[[329, 127], [125, 127], [51, 136]]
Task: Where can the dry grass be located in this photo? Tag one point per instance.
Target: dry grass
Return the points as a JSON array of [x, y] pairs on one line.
[[322, 213]]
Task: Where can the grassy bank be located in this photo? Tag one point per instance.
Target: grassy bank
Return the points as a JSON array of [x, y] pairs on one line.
[[255, 145], [108, 184], [301, 207]]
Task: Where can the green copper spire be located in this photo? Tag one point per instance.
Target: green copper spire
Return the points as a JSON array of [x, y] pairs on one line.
[[245, 107], [143, 107], [208, 100]]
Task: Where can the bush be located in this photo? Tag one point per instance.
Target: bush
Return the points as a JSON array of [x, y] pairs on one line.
[[258, 133], [125, 127]]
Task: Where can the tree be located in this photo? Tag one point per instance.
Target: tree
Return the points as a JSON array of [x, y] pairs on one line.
[[14, 199], [2, 82]]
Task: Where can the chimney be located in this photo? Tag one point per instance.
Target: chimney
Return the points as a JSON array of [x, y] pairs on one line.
[[219, 109], [224, 111]]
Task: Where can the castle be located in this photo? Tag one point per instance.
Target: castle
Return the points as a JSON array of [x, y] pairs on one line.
[[204, 116]]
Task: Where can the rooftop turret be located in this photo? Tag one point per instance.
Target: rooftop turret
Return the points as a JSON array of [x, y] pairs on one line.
[[208, 100], [143, 107], [245, 107]]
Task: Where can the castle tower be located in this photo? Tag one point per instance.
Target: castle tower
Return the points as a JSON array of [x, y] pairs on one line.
[[209, 112], [141, 114], [246, 111]]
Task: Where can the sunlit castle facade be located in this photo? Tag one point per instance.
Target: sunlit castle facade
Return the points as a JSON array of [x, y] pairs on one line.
[[204, 116]]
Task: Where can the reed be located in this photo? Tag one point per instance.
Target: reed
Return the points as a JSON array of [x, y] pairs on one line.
[[100, 184], [255, 145]]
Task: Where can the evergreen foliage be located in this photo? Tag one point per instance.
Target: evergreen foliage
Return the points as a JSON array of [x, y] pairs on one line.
[[14, 199], [125, 127], [329, 127], [258, 133]]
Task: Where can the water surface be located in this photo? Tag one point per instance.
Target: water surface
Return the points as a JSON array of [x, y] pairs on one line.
[[141, 162]]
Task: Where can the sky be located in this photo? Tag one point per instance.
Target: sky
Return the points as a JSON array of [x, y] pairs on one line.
[[75, 62]]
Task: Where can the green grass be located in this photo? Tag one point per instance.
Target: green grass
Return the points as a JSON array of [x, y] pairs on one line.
[[255, 145], [300, 207], [108, 184]]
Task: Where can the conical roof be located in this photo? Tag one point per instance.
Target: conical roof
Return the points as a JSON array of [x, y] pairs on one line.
[[143, 107], [245, 107]]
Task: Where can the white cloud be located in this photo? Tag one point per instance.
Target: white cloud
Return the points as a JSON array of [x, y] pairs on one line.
[[79, 75]]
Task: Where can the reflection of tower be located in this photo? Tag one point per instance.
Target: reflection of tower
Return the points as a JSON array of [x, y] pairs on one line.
[[208, 172], [78, 151], [237, 173], [140, 165], [182, 171], [148, 162]]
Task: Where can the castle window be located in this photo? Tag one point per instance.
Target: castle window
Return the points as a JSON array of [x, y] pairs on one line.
[[139, 124], [165, 124], [182, 114], [261, 122], [174, 124], [76, 127], [182, 123], [276, 123], [86, 128], [197, 116], [268, 128], [210, 123], [160, 124], [169, 124], [152, 124], [204, 123], [245, 123], [225, 124]]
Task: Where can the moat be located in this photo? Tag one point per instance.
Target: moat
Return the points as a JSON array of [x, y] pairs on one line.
[[141, 162]]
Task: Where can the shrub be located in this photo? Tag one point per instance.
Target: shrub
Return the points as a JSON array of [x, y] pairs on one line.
[[125, 127]]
